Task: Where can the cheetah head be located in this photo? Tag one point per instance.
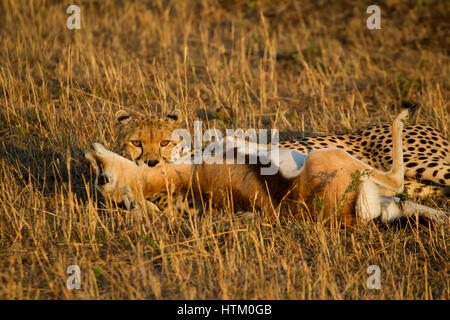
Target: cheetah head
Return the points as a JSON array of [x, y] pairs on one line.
[[146, 140]]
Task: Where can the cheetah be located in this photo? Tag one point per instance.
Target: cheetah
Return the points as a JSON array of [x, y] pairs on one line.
[[327, 173], [426, 151]]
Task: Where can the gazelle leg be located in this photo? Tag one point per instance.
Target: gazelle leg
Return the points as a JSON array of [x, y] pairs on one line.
[[391, 211], [394, 179], [368, 202]]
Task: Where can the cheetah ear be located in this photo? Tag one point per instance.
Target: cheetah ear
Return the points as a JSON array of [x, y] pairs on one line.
[[122, 116], [176, 116]]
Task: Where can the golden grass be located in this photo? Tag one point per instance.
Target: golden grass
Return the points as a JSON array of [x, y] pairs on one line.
[[292, 65]]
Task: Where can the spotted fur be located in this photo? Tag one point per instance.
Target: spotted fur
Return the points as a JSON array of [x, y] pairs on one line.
[[426, 150]]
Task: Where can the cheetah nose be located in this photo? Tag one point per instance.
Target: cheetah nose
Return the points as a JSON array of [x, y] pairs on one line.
[[151, 163], [102, 179]]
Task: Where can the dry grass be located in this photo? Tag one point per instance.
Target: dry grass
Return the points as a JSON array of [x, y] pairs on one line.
[[293, 65]]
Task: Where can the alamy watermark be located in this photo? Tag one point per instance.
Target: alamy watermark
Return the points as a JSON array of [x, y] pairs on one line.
[[374, 281], [237, 147], [74, 21], [374, 20], [74, 280]]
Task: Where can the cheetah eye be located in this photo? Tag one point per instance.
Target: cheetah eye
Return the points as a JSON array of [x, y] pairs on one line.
[[136, 143], [164, 143]]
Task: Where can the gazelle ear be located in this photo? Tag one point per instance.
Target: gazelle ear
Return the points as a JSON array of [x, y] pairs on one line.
[[89, 155], [176, 116], [122, 116]]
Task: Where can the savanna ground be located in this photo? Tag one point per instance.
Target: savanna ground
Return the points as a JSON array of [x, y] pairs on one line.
[[306, 66]]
